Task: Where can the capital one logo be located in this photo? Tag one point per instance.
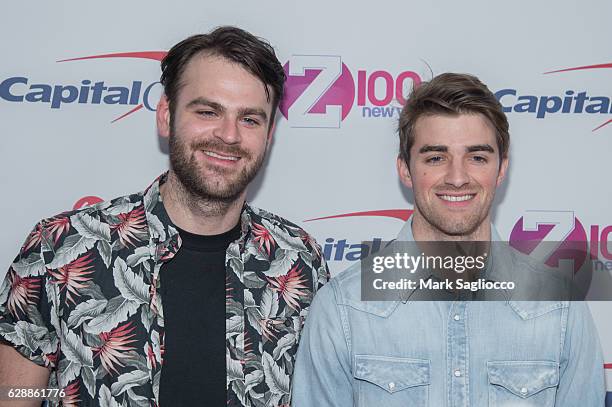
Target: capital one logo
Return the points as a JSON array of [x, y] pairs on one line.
[[565, 236], [572, 101], [343, 247], [320, 91], [138, 95]]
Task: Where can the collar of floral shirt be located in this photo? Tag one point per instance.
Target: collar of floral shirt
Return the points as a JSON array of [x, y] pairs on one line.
[[164, 239]]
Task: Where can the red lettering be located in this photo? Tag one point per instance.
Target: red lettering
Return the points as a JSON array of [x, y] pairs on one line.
[[388, 88], [594, 242], [604, 242], [361, 88], [399, 85]]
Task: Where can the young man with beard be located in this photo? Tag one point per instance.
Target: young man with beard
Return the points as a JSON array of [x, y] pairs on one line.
[[182, 294], [454, 144]]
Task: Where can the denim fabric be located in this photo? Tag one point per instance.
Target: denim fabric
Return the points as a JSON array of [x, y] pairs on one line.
[[446, 353]]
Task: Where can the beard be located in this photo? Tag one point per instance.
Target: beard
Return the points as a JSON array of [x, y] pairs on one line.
[[213, 184]]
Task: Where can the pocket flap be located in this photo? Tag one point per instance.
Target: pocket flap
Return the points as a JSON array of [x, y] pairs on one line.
[[391, 373], [524, 378]]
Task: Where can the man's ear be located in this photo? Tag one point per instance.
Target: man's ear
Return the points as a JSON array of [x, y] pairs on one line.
[[404, 172], [270, 133], [503, 168], [162, 116]]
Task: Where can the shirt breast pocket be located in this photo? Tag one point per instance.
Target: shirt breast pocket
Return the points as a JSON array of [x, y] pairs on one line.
[[522, 383], [391, 381]]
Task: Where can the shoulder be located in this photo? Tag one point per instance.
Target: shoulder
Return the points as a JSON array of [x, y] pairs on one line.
[[535, 280], [113, 207], [347, 293], [62, 238], [286, 233], [108, 212], [525, 267]]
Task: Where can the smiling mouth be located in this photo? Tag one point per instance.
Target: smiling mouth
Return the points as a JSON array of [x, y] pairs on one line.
[[457, 198], [220, 156]]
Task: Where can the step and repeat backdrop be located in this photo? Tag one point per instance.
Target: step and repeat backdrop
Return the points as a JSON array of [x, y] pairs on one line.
[[79, 86]]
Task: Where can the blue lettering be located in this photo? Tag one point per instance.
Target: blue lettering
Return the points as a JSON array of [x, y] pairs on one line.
[[340, 246], [567, 101], [545, 107], [118, 98], [60, 96], [57, 95], [580, 99], [602, 105], [135, 92], [39, 93], [5, 89], [376, 111], [500, 94], [376, 244], [145, 97], [327, 248], [528, 104], [361, 252], [97, 88], [342, 250], [84, 94], [388, 111]]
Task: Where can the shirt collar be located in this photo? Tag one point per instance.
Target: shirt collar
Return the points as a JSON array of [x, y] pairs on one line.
[[498, 263], [163, 234]]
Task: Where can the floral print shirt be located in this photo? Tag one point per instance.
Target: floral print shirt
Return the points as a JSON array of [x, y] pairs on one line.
[[82, 298]]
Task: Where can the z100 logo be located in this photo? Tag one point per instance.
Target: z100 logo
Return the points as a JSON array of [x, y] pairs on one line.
[[320, 91], [566, 235]]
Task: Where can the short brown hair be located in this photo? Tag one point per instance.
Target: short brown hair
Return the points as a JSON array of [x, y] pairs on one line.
[[254, 54], [452, 94]]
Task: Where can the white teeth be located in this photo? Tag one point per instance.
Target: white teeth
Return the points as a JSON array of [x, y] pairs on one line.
[[222, 157], [452, 198]]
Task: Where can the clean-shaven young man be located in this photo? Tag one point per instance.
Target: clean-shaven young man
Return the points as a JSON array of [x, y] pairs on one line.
[[454, 144]]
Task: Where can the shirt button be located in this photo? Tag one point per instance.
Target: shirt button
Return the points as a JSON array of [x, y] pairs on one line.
[[456, 317], [391, 386], [457, 373], [524, 391]]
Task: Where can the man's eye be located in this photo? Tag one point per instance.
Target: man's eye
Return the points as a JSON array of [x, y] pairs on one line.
[[208, 113], [434, 159], [480, 159], [250, 121]]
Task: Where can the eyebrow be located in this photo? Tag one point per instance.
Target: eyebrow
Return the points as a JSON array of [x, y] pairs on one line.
[[429, 148], [444, 149], [243, 111], [253, 111], [481, 147], [205, 102]]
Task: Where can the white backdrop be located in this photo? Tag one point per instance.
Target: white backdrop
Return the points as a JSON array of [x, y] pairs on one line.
[[54, 153]]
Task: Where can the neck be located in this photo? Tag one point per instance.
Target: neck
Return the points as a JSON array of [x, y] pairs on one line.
[[424, 231], [197, 215]]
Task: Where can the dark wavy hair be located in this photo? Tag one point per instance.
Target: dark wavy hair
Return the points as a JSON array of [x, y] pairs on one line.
[[254, 54]]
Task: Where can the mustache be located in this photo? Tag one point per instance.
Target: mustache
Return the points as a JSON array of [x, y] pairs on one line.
[[220, 147]]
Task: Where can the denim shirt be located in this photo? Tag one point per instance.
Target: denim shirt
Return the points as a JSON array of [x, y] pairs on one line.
[[446, 353]]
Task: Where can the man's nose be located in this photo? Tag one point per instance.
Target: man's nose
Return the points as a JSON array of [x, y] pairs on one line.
[[457, 174], [228, 130]]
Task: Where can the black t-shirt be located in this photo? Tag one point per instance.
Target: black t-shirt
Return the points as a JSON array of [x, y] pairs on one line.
[[193, 298]]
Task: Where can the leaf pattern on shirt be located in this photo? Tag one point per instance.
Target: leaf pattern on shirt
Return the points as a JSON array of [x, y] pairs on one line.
[[82, 297]]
